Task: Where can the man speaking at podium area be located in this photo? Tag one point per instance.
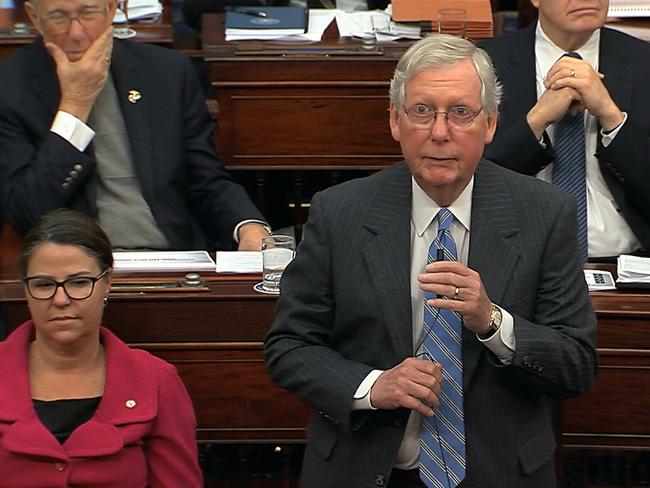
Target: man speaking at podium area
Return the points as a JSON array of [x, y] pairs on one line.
[[117, 130], [435, 310]]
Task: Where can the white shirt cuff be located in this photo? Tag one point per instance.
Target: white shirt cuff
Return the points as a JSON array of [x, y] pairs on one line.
[[362, 395], [72, 130], [503, 343], [610, 135]]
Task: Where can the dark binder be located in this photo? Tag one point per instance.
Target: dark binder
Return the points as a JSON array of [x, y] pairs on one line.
[[288, 20]]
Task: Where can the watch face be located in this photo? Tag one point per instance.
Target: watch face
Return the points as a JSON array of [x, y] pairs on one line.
[[495, 317]]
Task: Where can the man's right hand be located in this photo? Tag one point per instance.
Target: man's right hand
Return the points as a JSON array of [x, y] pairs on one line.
[[409, 385], [551, 107], [81, 81]]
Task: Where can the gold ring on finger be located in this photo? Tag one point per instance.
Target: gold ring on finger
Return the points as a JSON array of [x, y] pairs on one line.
[[457, 293], [572, 73]]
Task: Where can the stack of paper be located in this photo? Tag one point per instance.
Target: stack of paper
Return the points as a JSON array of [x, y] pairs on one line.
[[631, 17], [479, 24], [140, 10], [162, 261], [319, 20], [629, 8], [633, 271], [374, 23]]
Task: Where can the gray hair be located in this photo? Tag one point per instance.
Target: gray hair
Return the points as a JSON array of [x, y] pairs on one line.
[[441, 51]]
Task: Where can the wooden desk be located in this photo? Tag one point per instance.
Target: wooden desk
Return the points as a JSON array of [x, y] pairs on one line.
[[281, 107], [156, 33]]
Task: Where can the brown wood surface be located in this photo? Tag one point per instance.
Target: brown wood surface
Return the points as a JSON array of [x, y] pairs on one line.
[[301, 105]]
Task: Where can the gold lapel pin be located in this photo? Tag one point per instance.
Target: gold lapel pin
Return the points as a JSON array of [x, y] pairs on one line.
[[134, 96]]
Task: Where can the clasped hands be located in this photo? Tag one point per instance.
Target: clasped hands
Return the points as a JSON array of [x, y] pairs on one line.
[[572, 85], [415, 383]]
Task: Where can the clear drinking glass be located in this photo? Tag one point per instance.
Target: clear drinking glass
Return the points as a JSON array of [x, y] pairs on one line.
[[277, 253], [122, 29], [452, 21]]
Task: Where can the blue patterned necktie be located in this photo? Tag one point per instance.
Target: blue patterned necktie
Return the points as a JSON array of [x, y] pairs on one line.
[[442, 437], [570, 169]]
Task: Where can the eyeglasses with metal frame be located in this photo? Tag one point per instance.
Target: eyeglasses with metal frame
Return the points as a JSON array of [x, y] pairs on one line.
[[59, 22], [423, 116], [76, 288]]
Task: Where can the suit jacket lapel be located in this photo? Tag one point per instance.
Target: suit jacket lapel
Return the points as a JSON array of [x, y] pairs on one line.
[[130, 84], [387, 256], [618, 79], [43, 80], [521, 94], [494, 231]]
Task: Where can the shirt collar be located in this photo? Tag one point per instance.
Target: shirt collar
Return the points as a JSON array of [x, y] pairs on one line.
[[424, 209], [547, 53]]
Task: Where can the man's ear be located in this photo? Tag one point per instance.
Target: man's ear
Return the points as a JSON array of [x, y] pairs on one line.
[[394, 122], [111, 5], [33, 17], [492, 119]]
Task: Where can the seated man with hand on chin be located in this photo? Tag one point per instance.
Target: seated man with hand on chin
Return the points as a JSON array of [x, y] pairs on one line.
[[117, 130]]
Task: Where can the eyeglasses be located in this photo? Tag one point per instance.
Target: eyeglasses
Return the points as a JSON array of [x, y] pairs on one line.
[[77, 288], [423, 116], [59, 22]]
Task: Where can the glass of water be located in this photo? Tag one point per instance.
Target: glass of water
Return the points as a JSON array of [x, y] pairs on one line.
[[122, 30], [277, 251]]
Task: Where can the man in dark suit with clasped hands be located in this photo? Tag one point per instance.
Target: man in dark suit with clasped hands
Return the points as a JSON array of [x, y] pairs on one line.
[[117, 130], [606, 76], [442, 246]]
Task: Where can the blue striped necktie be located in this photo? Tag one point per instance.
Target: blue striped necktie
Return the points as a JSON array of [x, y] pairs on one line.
[[442, 437], [570, 167]]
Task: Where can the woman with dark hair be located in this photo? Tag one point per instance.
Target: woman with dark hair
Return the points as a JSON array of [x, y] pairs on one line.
[[77, 406]]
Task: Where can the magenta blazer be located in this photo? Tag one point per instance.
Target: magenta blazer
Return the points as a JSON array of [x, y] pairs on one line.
[[143, 433]]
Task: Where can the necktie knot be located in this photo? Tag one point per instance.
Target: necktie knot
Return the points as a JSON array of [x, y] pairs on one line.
[[572, 54]]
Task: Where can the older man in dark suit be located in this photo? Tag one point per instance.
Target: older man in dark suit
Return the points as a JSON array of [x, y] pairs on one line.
[[443, 266], [603, 81], [119, 131]]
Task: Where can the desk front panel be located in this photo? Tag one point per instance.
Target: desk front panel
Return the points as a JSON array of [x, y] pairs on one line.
[[614, 412], [304, 112]]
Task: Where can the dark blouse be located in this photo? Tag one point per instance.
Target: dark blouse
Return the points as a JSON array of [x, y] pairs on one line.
[[62, 417]]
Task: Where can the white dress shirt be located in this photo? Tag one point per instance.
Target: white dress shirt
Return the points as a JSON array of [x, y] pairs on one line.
[[608, 232]]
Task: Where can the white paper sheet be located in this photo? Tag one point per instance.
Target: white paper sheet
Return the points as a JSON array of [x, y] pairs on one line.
[[239, 261], [162, 261]]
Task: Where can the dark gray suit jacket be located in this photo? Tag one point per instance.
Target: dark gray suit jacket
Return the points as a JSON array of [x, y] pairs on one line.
[[194, 200], [345, 309], [624, 163]]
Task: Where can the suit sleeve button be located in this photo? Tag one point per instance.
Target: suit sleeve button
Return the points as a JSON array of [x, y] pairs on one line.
[[380, 480]]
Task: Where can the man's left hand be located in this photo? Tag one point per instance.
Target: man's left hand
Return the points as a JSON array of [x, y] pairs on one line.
[[250, 237], [579, 75], [463, 288]]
